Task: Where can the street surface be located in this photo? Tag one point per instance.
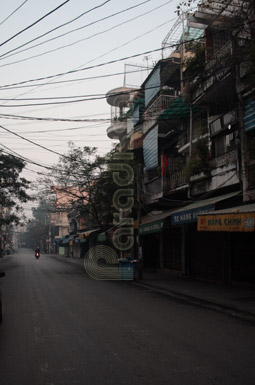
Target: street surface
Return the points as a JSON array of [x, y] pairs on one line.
[[61, 327]]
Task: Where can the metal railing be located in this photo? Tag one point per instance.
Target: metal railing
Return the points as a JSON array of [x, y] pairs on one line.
[[223, 52], [159, 105], [155, 109], [224, 159]]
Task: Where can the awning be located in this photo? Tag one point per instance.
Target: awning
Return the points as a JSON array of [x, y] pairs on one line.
[[154, 221], [188, 214], [64, 241], [152, 227], [178, 109], [241, 219], [102, 237], [87, 234]]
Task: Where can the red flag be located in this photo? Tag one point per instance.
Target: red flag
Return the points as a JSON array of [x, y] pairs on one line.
[[164, 164]]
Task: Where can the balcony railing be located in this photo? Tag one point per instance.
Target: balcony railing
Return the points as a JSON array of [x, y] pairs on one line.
[[202, 84], [177, 180], [155, 109], [223, 160], [224, 52], [174, 181], [183, 139], [117, 129]]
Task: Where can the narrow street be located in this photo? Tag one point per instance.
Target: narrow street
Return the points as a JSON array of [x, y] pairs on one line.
[[61, 327]]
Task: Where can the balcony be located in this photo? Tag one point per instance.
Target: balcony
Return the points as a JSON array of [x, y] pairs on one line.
[[216, 71], [221, 173], [223, 160], [155, 109], [174, 182], [117, 129], [225, 52]]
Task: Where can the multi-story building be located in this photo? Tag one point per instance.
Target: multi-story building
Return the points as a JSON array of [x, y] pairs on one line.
[[191, 128], [58, 221]]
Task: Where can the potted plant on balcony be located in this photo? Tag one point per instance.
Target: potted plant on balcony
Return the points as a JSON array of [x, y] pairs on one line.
[[199, 160], [195, 58]]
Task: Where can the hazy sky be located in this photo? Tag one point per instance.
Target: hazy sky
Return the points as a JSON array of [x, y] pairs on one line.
[[29, 63]]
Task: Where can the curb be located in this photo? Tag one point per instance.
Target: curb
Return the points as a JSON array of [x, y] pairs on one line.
[[201, 302], [185, 298]]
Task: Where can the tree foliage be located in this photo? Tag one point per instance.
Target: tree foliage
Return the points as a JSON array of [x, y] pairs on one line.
[[37, 230], [12, 189], [199, 160], [85, 182]]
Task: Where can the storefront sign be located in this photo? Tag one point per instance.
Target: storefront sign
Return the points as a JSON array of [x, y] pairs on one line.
[[227, 222], [189, 216], [152, 227]]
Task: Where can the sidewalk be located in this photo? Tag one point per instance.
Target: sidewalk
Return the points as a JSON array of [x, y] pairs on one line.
[[235, 300]]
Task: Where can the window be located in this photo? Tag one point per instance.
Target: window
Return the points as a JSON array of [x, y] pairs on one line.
[[215, 126]]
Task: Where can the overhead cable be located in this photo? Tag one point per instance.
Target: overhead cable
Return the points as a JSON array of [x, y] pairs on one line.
[[34, 23], [52, 30], [8, 17], [74, 30], [114, 60]]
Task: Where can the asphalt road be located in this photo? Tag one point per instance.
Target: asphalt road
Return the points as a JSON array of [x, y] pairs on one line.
[[61, 327]]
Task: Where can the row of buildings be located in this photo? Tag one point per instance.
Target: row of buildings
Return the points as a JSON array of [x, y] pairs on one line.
[[191, 130]]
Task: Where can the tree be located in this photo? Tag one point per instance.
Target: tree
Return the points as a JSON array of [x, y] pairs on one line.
[[37, 230], [86, 183], [12, 189]]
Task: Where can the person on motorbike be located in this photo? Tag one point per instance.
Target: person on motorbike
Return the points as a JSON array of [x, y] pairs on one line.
[[37, 251]]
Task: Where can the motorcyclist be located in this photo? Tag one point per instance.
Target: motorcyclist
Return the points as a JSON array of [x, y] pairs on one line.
[[37, 250]]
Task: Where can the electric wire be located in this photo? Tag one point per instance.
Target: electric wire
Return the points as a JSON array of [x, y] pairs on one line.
[[5, 55], [86, 98], [83, 39], [34, 23], [26, 159], [32, 142], [114, 60], [3, 88], [33, 118], [74, 30], [12, 13]]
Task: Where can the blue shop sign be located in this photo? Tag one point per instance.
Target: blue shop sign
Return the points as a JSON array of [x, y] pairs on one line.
[[189, 216]]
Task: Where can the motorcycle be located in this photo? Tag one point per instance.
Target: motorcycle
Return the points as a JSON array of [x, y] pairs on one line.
[[37, 254]]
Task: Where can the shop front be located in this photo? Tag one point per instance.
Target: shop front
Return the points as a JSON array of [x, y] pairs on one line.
[[150, 236], [170, 240], [198, 258], [234, 228], [161, 243]]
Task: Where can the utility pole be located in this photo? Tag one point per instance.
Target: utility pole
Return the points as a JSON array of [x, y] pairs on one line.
[[138, 239]]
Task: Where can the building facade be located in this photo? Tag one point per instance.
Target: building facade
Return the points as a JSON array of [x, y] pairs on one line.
[[191, 129]]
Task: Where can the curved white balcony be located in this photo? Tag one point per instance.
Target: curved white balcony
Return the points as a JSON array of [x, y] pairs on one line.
[[117, 129], [119, 97]]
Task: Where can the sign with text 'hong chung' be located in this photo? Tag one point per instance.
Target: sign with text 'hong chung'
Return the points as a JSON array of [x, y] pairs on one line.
[[244, 222]]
